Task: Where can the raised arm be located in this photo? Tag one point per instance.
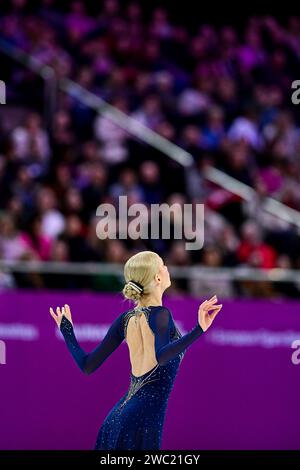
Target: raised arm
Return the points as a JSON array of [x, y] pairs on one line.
[[161, 323], [89, 362]]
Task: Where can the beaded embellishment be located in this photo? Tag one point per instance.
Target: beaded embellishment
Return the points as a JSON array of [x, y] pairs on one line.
[[138, 382], [176, 335], [137, 312]]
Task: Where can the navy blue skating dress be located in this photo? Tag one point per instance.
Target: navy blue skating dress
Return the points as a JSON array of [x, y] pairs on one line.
[[136, 421]]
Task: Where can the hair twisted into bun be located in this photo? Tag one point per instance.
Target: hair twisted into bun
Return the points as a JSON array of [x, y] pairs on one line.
[[139, 273], [132, 292]]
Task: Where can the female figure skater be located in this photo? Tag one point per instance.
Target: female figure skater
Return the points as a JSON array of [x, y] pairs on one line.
[[156, 348]]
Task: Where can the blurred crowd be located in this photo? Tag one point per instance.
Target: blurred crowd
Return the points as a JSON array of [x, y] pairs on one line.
[[222, 93]]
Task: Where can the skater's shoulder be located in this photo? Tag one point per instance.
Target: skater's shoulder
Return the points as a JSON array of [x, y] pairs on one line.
[[161, 315], [151, 310]]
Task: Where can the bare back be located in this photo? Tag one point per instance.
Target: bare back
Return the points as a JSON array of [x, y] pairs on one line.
[[141, 342]]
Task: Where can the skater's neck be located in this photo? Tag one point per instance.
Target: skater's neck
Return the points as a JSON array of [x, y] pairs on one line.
[[153, 300]]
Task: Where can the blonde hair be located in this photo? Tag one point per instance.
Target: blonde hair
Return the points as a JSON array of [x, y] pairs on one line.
[[139, 273]]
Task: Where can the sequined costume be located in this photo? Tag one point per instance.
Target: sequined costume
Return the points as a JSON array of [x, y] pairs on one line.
[[136, 421]]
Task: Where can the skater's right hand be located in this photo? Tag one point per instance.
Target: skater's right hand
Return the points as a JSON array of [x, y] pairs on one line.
[[204, 318], [66, 311]]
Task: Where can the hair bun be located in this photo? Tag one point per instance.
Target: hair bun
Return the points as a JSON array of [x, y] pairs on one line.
[[133, 291]]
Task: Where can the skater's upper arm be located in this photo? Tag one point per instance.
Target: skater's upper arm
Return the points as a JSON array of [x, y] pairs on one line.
[[162, 324]]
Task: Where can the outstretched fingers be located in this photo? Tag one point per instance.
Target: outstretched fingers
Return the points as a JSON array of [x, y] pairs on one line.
[[67, 309], [59, 313], [53, 314]]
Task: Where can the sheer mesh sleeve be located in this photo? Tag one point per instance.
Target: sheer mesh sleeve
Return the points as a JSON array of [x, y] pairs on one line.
[[89, 362], [161, 323]]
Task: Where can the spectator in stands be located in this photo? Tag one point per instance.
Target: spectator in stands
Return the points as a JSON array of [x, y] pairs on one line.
[[31, 139], [253, 250]]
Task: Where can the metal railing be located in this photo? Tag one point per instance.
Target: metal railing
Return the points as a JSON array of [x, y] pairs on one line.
[[239, 273]]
